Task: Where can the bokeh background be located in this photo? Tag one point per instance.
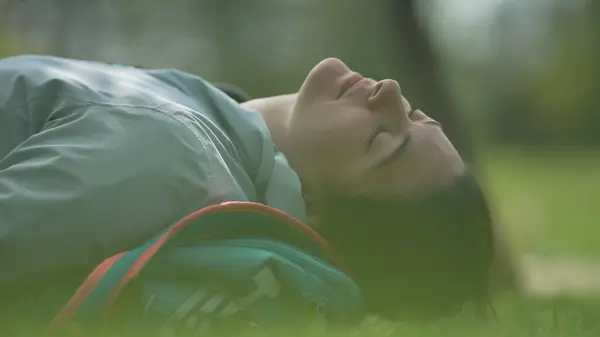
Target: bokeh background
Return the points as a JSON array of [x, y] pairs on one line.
[[514, 82]]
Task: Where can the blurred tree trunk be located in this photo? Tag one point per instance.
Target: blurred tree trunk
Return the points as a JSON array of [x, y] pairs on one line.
[[593, 10], [62, 33], [418, 72]]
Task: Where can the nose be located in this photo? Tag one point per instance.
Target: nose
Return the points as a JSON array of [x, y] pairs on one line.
[[385, 93], [388, 101]]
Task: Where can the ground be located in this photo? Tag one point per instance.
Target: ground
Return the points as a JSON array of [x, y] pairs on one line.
[[547, 202]]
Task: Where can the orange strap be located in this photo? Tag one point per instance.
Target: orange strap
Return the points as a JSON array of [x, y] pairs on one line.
[[84, 291]]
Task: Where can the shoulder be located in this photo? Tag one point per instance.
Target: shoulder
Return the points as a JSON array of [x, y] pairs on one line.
[[33, 66], [161, 131], [25, 60], [133, 137]]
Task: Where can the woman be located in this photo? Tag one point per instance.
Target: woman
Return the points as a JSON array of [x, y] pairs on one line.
[[98, 159], [386, 187]]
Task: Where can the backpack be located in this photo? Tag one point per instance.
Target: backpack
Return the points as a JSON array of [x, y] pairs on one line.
[[230, 262]]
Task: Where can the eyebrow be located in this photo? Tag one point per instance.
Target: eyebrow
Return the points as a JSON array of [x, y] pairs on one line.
[[429, 121], [397, 153], [400, 149], [433, 122]]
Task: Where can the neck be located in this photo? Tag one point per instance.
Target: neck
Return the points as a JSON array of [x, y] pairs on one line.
[[276, 111]]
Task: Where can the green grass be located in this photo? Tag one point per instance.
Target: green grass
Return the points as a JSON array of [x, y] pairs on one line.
[[547, 203], [516, 318]]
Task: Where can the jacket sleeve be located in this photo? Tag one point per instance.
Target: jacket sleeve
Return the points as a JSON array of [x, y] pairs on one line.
[[93, 183]]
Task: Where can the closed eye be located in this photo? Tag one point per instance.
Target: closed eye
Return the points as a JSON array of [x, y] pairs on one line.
[[372, 137], [426, 120]]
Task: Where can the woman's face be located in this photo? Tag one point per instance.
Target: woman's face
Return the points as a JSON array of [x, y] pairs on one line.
[[354, 135]]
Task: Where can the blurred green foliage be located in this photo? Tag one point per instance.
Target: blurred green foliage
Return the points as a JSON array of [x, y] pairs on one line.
[[546, 199], [520, 88], [559, 105], [513, 91]]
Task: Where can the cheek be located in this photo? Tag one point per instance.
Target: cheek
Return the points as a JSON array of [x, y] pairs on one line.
[[337, 161], [320, 159], [330, 142], [337, 140], [332, 127]]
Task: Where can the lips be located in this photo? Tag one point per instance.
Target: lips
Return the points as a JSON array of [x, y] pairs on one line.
[[353, 79], [378, 87], [379, 91]]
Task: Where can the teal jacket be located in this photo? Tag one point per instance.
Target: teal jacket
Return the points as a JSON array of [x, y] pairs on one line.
[[99, 159]]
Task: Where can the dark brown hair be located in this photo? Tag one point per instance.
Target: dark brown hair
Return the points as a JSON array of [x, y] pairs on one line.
[[415, 258]]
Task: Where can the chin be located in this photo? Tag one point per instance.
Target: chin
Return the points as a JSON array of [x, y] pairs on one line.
[[330, 68]]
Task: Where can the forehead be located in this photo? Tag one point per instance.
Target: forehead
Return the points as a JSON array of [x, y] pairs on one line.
[[429, 162]]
